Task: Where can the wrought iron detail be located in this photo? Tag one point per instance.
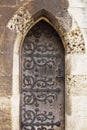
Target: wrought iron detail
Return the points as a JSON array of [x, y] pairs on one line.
[[42, 79], [34, 119]]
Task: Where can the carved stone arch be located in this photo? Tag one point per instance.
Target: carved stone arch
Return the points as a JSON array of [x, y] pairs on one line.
[[22, 21], [66, 27]]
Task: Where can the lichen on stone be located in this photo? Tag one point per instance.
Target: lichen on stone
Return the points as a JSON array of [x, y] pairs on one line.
[[21, 21], [74, 41]]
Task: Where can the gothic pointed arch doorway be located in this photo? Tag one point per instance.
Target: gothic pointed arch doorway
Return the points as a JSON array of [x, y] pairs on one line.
[[42, 79]]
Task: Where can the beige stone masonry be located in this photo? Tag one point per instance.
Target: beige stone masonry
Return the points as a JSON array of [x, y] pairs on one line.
[[76, 85], [78, 9], [78, 3], [74, 41], [84, 32], [77, 119], [15, 112], [20, 21], [15, 109], [5, 85], [76, 64], [80, 14], [5, 113]]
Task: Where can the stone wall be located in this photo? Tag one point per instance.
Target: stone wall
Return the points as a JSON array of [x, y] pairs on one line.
[[76, 68], [78, 9], [76, 65], [7, 9]]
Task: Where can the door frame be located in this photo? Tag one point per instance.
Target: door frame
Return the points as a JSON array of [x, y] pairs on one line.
[[67, 38]]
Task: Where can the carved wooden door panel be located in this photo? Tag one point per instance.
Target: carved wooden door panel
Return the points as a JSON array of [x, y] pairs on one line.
[[42, 76]]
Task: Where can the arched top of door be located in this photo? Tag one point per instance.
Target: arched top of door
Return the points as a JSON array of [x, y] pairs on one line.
[[56, 15]]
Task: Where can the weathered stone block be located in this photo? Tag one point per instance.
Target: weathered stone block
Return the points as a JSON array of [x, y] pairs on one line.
[[5, 65], [63, 2], [5, 113], [78, 3], [76, 85], [20, 22], [76, 64], [1, 31], [84, 32], [78, 118], [15, 112], [74, 42], [80, 15], [20, 2], [7, 41], [7, 3], [5, 85], [5, 14]]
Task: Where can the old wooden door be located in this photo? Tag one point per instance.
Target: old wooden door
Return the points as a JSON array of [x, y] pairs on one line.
[[42, 80]]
